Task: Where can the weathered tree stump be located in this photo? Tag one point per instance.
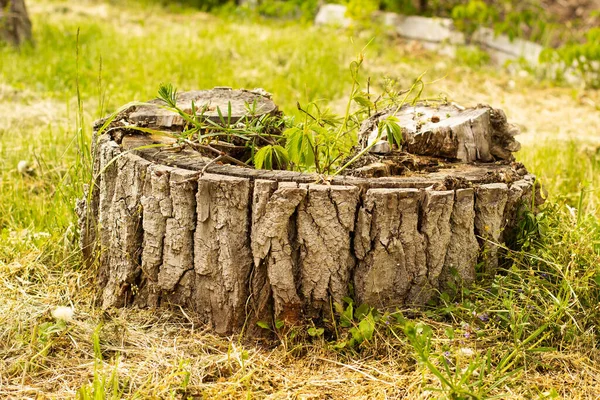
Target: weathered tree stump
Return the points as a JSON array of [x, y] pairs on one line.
[[15, 26], [238, 245]]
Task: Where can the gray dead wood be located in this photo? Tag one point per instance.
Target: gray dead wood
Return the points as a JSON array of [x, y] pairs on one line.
[[238, 246], [15, 25], [446, 131]]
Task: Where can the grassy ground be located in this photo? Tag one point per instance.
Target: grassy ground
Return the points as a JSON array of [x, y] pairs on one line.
[[531, 332]]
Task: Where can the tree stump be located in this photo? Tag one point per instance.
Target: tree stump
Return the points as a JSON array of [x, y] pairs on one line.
[[238, 245], [15, 26]]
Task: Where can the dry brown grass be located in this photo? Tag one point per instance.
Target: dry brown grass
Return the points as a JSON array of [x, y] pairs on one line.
[[159, 353], [154, 351]]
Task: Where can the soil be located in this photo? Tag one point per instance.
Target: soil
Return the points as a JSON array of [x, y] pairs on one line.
[[567, 11]]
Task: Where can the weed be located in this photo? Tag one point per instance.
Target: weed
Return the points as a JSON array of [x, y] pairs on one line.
[[317, 143], [582, 58], [554, 283]]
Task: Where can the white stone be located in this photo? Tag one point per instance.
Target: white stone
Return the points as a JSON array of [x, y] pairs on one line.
[[504, 49], [381, 147], [429, 29], [332, 14], [23, 167], [389, 18]]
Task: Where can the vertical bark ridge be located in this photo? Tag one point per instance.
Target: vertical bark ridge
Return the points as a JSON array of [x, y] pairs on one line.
[[435, 213], [157, 208], [463, 248], [388, 246], [325, 222], [122, 229], [222, 256], [180, 224], [273, 207], [490, 201]]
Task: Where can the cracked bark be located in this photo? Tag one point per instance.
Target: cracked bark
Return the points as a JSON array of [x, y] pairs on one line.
[[157, 208], [325, 225], [236, 251], [463, 248], [15, 25], [490, 201], [121, 226], [436, 211], [273, 249], [222, 258], [236, 246], [389, 247]]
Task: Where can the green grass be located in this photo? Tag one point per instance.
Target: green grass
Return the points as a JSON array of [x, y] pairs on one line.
[[528, 329]]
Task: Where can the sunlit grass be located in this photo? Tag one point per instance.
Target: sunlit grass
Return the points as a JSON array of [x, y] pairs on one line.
[[125, 51]]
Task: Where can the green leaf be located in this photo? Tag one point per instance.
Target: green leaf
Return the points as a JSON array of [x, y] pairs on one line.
[[270, 157], [367, 327], [362, 98], [315, 332], [300, 147], [340, 345], [263, 324], [346, 317], [361, 311], [338, 308], [168, 94], [281, 156], [391, 128], [263, 158], [357, 335], [279, 324]]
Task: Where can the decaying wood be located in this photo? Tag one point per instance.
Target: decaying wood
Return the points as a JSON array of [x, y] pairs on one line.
[[463, 249], [325, 226], [221, 102], [238, 246], [273, 247], [447, 131], [15, 25], [489, 217], [222, 257], [389, 247]]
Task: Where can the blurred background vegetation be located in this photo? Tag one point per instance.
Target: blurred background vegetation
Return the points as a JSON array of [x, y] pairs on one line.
[[529, 332]]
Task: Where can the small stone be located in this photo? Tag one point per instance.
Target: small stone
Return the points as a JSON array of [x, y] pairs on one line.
[[466, 351], [23, 168], [435, 119], [381, 147]]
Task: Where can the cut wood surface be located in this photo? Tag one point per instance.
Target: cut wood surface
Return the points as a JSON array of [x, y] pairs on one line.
[[236, 245], [220, 102], [446, 131]]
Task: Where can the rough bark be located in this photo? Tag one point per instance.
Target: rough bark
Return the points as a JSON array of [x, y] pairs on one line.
[[435, 214], [237, 246], [274, 247], [490, 201], [121, 228], [447, 131], [222, 258], [325, 225], [389, 248], [463, 248], [15, 25]]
